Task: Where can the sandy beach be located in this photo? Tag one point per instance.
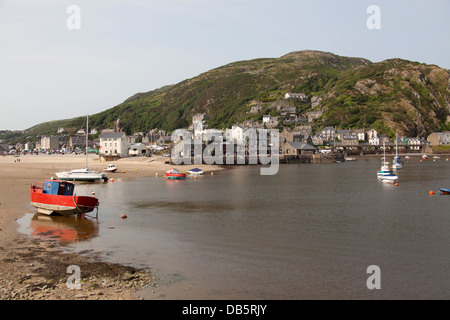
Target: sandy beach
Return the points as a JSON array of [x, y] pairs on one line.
[[36, 269]]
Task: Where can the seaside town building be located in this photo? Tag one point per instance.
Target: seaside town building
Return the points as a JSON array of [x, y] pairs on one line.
[[439, 138], [113, 144], [50, 143]]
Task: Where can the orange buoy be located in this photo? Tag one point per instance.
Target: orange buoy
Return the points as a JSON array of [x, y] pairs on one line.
[[396, 184], [431, 193], [212, 173], [123, 216], [112, 180], [87, 186], [195, 177]]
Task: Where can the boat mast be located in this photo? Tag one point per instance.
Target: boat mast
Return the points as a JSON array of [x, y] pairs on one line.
[[396, 146], [87, 132]]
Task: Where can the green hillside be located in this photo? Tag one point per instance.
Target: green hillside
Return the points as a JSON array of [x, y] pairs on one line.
[[395, 94], [391, 95]]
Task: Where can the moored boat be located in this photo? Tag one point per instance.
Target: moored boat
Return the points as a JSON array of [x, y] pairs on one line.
[[385, 173], [397, 162], [174, 174], [385, 170], [55, 196], [390, 178], [445, 191], [111, 168], [82, 175], [195, 171]]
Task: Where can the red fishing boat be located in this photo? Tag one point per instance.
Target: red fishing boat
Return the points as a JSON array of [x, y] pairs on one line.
[[174, 174], [54, 196]]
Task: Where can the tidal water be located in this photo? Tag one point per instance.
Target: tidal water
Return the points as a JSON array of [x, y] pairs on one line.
[[308, 232]]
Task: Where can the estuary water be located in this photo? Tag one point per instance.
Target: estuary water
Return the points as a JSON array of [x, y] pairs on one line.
[[308, 232]]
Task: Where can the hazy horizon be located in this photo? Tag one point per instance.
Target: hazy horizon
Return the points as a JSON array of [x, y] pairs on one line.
[[59, 65]]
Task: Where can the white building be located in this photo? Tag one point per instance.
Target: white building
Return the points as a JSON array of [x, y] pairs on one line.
[[266, 118], [360, 134], [113, 144], [137, 149], [328, 133], [296, 96], [372, 133], [50, 143], [235, 134], [374, 140], [415, 143], [199, 124]]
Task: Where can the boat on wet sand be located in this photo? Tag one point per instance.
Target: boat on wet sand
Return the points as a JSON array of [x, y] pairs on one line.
[[82, 175], [55, 196], [111, 168], [174, 174], [85, 174], [195, 171]]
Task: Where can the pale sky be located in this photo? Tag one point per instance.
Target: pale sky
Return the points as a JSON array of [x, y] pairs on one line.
[[50, 72]]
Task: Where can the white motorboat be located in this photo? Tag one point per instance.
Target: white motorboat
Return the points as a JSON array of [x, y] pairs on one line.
[[111, 168], [390, 178]]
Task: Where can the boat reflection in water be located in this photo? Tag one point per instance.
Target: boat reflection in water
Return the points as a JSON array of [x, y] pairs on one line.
[[64, 230]]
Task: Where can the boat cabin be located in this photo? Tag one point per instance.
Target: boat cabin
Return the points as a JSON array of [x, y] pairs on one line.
[[57, 187]]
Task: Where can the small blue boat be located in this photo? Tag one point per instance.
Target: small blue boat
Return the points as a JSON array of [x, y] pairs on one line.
[[445, 191]]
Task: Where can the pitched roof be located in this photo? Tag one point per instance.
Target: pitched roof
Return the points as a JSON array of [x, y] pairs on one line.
[[301, 145], [112, 135]]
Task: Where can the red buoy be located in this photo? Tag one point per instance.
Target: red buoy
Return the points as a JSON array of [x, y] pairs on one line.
[[123, 216]]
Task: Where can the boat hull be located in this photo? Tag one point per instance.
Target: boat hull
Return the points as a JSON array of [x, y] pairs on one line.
[[445, 191], [90, 177], [389, 179], [175, 176], [60, 204]]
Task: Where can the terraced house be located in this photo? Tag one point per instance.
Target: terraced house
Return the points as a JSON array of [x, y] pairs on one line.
[[439, 138]]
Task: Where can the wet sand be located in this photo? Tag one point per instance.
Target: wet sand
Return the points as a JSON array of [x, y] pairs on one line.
[[35, 269]]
